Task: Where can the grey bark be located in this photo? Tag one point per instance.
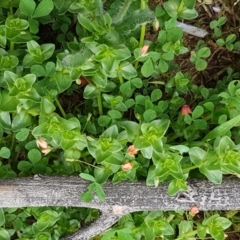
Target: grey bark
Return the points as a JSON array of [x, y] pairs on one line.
[[121, 198]]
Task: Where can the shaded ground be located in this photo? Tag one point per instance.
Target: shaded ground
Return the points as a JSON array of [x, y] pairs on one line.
[[220, 58]]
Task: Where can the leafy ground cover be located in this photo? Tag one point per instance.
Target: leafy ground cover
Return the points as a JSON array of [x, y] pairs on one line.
[[114, 90]]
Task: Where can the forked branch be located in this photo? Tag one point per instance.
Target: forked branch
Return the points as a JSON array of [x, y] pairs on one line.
[[121, 198]]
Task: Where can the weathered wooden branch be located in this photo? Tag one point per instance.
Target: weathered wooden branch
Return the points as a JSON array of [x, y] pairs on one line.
[[192, 30], [121, 198]]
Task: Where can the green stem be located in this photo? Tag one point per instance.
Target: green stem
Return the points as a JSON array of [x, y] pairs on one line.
[[143, 31], [99, 101], [121, 80], [60, 108], [11, 11], [12, 146], [180, 7], [185, 170], [11, 49], [88, 119]]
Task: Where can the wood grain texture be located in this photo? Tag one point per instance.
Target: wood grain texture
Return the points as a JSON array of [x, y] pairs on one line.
[[121, 198]]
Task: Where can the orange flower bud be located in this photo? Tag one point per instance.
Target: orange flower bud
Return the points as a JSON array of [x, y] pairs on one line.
[[194, 210], [132, 150], [127, 166], [144, 50], [185, 110], [41, 143]]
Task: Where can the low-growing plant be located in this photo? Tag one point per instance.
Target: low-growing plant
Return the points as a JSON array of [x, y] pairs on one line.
[[83, 92]]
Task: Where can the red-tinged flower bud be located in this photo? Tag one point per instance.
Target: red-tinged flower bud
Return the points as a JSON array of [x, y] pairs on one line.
[[186, 110], [144, 50], [194, 210], [132, 150], [81, 81], [41, 143], [127, 166]]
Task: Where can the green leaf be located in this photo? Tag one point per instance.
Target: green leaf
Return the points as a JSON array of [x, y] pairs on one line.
[[156, 95], [197, 155], [201, 231], [147, 68], [34, 156], [101, 174], [200, 124], [86, 23], [186, 229], [127, 70], [22, 134], [21, 120], [38, 70], [43, 8], [27, 7], [149, 115], [224, 222], [4, 235], [189, 3], [90, 91], [223, 129], [87, 177], [214, 176], [176, 185], [137, 82], [47, 219], [204, 52], [100, 193], [5, 152], [2, 217], [104, 120], [47, 106], [24, 166], [197, 112], [87, 196], [200, 64], [114, 114]]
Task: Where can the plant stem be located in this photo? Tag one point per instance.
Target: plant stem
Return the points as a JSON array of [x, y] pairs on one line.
[[11, 11], [99, 101], [121, 79], [180, 7], [143, 30], [60, 108], [189, 168], [11, 49]]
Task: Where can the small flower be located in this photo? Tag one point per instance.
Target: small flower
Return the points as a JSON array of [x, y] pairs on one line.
[[194, 210], [185, 110], [132, 150], [144, 50], [225, 235], [41, 143], [127, 166], [46, 150]]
